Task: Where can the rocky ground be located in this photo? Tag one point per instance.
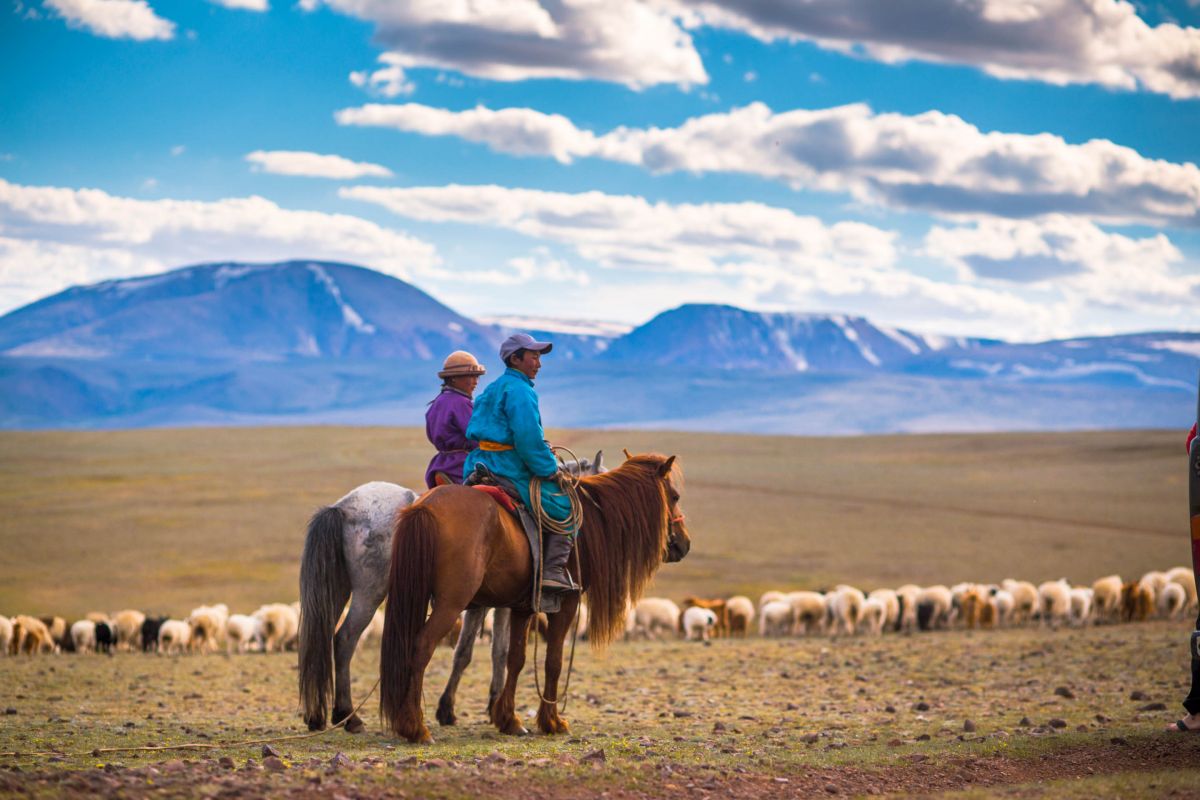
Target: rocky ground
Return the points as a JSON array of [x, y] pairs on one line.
[[1025, 713]]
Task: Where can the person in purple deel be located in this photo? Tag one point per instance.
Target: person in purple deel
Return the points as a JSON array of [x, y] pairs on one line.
[[448, 416]]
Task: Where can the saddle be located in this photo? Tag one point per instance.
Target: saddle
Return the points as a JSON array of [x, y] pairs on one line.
[[501, 490]]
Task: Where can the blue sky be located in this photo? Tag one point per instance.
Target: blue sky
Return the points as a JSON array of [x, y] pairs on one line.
[[1017, 170]]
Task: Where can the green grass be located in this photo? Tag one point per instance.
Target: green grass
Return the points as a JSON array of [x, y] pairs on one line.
[[165, 520]]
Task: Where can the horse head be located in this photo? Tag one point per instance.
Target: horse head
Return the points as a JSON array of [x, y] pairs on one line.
[[678, 540]]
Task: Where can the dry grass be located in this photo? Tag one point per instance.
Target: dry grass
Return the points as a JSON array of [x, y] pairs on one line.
[[166, 519]]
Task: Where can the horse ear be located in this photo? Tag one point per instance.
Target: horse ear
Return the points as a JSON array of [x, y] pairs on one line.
[[598, 462], [625, 450], [665, 469]]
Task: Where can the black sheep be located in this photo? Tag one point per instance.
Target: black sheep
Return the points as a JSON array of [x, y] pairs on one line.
[[106, 637], [150, 633]]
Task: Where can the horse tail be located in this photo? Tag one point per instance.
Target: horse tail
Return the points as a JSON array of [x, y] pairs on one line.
[[410, 589], [324, 587]]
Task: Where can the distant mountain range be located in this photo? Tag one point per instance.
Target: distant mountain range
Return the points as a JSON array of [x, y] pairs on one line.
[[305, 341]]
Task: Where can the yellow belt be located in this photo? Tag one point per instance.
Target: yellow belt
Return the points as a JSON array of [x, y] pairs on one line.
[[494, 447]]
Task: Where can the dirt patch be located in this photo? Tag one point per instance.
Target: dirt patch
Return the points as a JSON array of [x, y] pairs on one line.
[[496, 776]]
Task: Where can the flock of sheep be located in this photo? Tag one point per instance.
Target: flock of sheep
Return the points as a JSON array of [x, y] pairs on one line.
[[844, 610], [273, 627]]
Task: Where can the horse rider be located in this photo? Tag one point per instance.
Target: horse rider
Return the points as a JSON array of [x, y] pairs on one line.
[[507, 423], [448, 416]]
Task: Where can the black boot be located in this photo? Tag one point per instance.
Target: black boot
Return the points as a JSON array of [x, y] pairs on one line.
[[555, 577]]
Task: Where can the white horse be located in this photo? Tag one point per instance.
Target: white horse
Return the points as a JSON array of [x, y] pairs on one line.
[[347, 554]]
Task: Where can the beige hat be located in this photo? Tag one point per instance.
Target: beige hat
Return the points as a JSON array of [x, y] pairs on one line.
[[460, 364]]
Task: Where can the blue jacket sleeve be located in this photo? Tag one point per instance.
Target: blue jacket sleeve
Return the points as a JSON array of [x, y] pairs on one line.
[[520, 405]]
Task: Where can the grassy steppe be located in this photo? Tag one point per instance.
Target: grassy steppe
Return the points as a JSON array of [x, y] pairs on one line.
[[166, 519]]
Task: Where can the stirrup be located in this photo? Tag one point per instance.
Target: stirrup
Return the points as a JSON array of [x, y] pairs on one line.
[[552, 585]]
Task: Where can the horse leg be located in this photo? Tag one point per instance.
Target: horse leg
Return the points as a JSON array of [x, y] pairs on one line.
[[435, 629], [501, 626], [463, 651], [559, 624], [345, 642], [504, 714]]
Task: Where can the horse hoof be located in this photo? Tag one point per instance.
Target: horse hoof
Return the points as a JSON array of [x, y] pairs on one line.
[[355, 725], [316, 724]]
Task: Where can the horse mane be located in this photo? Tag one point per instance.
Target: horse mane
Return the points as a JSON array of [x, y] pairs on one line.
[[622, 541]]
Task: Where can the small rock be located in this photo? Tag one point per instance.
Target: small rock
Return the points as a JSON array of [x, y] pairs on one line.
[[921, 706], [10, 711], [924, 737], [792, 707], [1057, 723], [340, 760], [1102, 719], [274, 764], [1063, 691], [495, 757], [173, 766], [594, 757], [1119, 740], [1153, 707], [810, 738], [435, 763], [268, 751], [1025, 722], [890, 709], [539, 762], [681, 714], [1138, 694], [895, 743], [968, 726], [226, 762], [831, 788], [1081, 728], [128, 724], [718, 727]]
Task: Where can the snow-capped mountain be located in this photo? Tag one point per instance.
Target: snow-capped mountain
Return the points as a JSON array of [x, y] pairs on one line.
[[726, 337]]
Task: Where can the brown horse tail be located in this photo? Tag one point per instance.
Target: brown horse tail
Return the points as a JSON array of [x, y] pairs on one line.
[[410, 589], [324, 588]]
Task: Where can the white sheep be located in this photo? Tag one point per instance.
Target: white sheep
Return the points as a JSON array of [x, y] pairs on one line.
[[6, 634], [83, 636], [770, 597], [280, 626], [1054, 598], [128, 626], [1026, 601], [872, 616], [1081, 605], [174, 636], [775, 619], [698, 623], [1106, 598], [1187, 579], [891, 606], [939, 604], [1003, 600], [909, 596], [208, 627], [1172, 601], [654, 616], [808, 612], [845, 608], [242, 631]]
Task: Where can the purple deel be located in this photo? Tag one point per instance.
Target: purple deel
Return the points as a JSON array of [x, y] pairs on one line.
[[446, 424]]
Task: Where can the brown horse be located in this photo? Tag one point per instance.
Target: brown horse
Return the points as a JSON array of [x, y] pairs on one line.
[[456, 549]]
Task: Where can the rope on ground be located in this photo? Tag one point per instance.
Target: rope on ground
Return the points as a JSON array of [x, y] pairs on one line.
[[200, 745]]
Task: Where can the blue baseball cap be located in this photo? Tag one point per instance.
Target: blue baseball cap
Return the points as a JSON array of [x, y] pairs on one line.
[[522, 341]]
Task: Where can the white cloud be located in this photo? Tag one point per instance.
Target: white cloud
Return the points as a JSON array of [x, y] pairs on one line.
[[387, 81], [624, 41], [314, 165], [115, 19], [1072, 255], [1103, 42], [244, 5], [54, 237], [178, 150], [540, 266], [932, 162], [762, 256]]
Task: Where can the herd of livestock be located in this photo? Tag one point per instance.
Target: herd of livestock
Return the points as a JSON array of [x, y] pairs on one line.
[[841, 611]]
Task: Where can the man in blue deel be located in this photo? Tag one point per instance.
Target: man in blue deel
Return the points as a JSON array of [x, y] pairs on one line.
[[507, 423]]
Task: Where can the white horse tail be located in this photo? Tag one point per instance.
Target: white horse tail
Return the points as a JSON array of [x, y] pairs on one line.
[[324, 589]]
